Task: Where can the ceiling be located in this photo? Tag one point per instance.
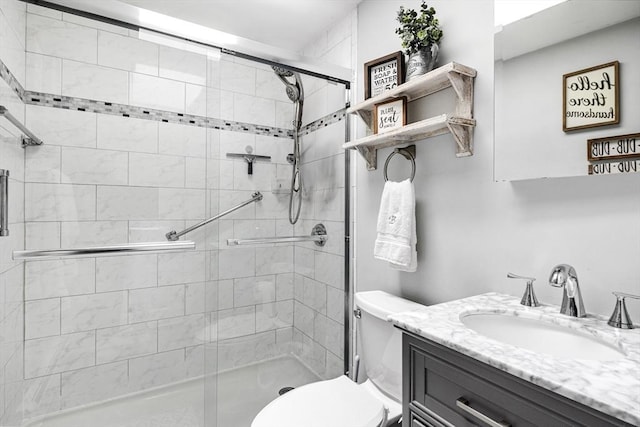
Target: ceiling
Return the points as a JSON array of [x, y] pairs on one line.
[[286, 24]]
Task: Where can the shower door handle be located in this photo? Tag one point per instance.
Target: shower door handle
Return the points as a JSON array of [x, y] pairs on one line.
[[4, 202]]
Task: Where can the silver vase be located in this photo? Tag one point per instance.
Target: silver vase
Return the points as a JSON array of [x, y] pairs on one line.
[[422, 62]]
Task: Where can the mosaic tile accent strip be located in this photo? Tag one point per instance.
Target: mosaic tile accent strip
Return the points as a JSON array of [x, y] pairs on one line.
[[325, 121], [93, 106], [90, 105], [10, 79]]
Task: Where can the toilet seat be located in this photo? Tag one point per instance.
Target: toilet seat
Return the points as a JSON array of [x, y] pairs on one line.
[[339, 402]]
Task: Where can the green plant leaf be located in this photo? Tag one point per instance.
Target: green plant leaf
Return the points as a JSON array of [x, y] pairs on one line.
[[418, 30]]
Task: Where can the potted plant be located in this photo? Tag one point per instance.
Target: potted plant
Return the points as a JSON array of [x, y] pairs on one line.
[[420, 34]]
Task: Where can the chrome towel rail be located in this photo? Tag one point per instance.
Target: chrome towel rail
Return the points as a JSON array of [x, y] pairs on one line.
[[28, 138], [408, 153], [100, 251], [4, 202], [318, 236], [174, 235]]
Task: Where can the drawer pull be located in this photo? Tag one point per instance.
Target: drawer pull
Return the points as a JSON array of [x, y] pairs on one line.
[[463, 404]]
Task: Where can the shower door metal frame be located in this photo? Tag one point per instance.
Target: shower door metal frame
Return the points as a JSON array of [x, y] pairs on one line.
[[348, 291]]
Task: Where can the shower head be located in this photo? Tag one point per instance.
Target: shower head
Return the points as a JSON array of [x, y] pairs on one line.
[[294, 89], [293, 92]]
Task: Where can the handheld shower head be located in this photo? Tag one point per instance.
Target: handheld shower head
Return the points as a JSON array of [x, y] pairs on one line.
[[293, 92], [294, 89]]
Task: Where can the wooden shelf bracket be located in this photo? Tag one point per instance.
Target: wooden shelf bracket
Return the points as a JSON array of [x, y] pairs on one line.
[[370, 156], [463, 86], [461, 130]]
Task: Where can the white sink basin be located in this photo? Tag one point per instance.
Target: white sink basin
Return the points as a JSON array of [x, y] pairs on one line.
[[541, 336]]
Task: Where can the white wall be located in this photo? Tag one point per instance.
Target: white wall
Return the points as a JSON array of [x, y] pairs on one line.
[[471, 230]]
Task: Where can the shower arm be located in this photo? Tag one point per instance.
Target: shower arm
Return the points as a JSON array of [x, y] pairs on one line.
[[174, 235]]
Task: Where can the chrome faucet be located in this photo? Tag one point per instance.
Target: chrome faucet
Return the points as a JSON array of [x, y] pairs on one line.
[[564, 276]]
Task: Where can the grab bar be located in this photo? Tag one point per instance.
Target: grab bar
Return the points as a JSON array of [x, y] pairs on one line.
[[30, 138], [99, 251], [318, 236], [174, 235]]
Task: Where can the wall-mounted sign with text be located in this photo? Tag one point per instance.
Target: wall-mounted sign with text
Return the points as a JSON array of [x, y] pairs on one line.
[[614, 147], [383, 74], [610, 168], [591, 97], [390, 115]]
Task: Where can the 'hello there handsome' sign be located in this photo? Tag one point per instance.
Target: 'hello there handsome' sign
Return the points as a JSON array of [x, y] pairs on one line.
[[591, 97]]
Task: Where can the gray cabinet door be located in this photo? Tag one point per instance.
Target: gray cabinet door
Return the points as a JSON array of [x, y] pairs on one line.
[[442, 387]]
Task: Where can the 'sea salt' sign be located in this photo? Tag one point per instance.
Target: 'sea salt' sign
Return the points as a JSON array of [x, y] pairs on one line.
[[591, 97], [390, 115]]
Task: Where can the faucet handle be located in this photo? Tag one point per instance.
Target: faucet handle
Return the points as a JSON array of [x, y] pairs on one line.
[[620, 317], [529, 298]]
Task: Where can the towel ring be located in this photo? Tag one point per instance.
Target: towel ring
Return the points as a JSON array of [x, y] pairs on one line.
[[409, 154]]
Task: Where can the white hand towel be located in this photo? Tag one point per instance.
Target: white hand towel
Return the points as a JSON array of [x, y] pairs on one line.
[[396, 229]]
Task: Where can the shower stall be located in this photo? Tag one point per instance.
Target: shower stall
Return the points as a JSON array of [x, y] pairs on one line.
[[141, 137]]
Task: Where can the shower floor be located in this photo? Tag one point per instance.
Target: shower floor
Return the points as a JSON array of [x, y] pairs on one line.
[[241, 393]]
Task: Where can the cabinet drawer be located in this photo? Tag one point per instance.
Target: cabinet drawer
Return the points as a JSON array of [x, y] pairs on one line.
[[462, 390], [444, 385]]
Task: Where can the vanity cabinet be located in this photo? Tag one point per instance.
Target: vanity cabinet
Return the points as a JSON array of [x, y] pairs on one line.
[[445, 388]]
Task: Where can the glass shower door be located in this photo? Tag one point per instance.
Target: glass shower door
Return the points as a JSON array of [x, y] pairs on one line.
[[280, 306]]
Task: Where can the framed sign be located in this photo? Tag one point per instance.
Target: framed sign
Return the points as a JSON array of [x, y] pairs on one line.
[[614, 147], [383, 74], [615, 167], [591, 97], [390, 115]]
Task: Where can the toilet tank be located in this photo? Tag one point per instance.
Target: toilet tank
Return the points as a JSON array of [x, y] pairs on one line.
[[380, 342]]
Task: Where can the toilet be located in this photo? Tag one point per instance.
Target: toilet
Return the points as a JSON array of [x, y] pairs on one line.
[[340, 402]]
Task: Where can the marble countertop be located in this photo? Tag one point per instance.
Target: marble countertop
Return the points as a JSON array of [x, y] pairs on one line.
[[612, 387]]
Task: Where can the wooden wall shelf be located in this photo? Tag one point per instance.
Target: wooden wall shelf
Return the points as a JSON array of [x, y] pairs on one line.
[[460, 123]]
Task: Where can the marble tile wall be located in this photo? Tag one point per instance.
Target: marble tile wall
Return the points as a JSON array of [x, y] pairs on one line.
[[12, 45], [99, 328], [319, 284]]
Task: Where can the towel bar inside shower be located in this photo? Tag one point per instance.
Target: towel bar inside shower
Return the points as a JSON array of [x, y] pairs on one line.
[[318, 236]]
